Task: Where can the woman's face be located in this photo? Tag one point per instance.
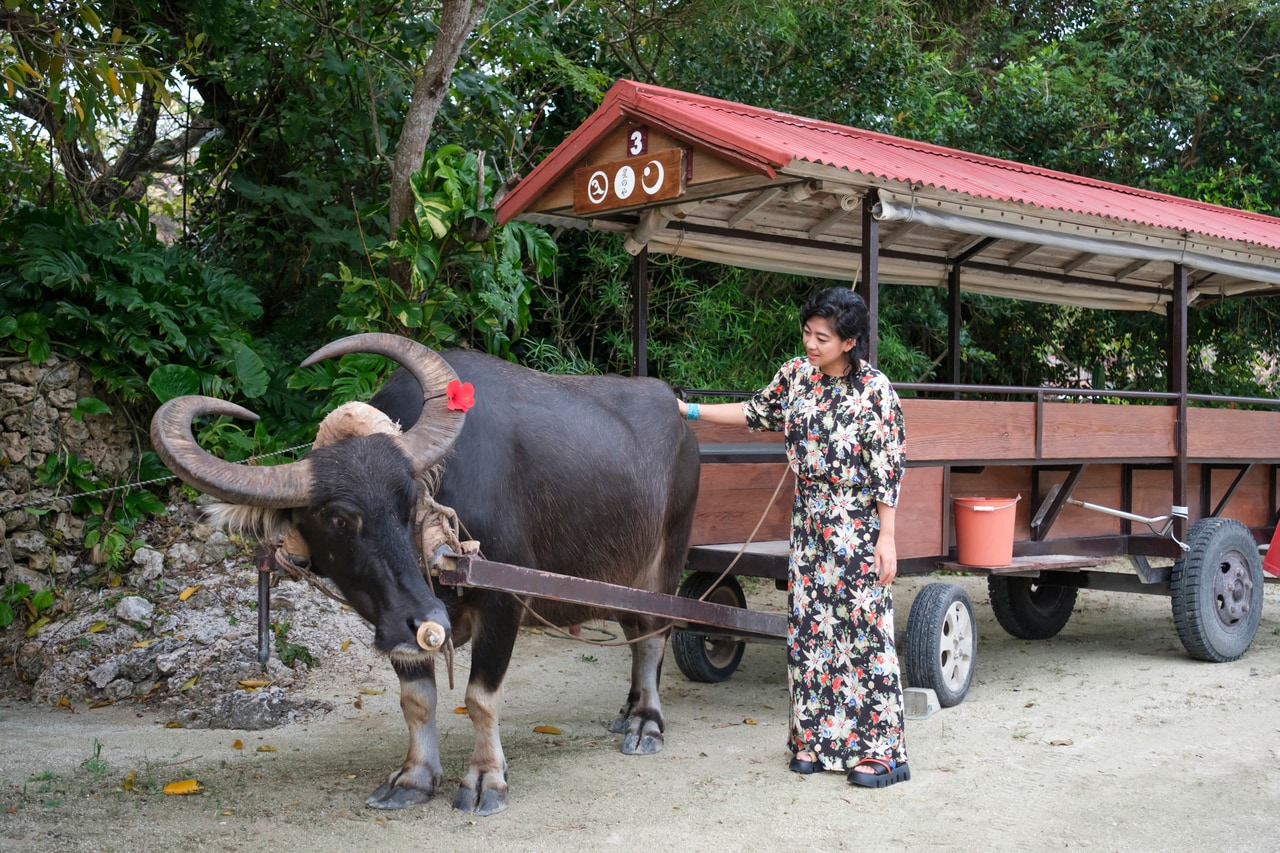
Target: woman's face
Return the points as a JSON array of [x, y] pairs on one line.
[[826, 349]]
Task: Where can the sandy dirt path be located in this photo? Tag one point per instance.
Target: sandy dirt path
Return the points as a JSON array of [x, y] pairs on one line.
[[1107, 737]]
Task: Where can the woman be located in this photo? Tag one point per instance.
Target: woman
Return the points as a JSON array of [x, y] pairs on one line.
[[844, 438]]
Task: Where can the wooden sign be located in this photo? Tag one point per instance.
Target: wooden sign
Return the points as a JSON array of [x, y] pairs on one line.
[[624, 183]]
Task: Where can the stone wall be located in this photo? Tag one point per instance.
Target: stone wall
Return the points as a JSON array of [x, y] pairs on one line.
[[36, 405]]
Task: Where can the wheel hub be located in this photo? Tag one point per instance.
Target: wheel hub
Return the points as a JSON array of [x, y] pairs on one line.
[[956, 645], [1232, 589]]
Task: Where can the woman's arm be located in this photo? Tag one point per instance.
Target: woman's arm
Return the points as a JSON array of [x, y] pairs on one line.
[[886, 559], [716, 413]]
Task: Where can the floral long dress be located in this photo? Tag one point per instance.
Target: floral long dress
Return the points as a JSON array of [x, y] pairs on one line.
[[845, 444]]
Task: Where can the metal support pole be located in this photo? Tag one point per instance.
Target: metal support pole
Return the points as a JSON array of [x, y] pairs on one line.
[[1178, 385], [953, 326], [264, 605], [640, 328]]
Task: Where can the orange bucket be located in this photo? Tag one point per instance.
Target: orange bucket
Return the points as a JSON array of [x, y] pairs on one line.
[[984, 530]]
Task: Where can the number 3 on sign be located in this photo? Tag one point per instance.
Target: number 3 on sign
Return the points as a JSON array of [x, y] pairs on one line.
[[637, 142]]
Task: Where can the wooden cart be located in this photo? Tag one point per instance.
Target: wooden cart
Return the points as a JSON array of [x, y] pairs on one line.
[[1101, 475]]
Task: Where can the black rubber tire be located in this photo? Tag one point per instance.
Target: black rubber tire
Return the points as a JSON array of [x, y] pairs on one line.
[[1216, 590], [942, 642], [703, 658], [1030, 610]]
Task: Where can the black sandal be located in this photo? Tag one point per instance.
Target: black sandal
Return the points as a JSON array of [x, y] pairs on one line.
[[884, 773]]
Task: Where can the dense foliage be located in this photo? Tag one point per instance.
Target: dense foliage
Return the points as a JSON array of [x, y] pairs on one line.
[[264, 136]]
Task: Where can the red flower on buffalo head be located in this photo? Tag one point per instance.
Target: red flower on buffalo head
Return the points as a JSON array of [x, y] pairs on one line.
[[462, 395]]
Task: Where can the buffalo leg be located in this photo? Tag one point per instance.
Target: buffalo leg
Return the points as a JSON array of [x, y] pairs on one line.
[[420, 775], [640, 720], [484, 789]]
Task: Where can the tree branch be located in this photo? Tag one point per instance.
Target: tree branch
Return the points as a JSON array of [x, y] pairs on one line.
[[457, 19]]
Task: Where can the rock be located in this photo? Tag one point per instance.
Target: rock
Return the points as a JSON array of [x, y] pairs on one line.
[[168, 664], [151, 562], [36, 581], [121, 688], [17, 391], [32, 660], [282, 602], [203, 599], [182, 555], [14, 447], [134, 608], [216, 547], [28, 542], [103, 675], [263, 709]]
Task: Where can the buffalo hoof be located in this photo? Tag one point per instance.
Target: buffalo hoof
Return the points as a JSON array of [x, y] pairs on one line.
[[389, 796], [490, 801], [619, 724], [642, 744]]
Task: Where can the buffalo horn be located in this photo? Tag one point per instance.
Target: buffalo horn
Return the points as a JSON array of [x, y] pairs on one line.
[[438, 426], [278, 486]]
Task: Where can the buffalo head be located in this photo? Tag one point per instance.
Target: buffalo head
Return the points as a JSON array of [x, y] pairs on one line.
[[350, 505]]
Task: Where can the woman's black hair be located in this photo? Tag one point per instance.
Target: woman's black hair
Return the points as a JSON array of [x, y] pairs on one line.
[[849, 318]]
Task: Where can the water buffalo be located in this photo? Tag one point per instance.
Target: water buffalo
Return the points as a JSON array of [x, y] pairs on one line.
[[588, 476]]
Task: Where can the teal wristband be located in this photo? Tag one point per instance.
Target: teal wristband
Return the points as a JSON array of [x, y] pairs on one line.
[[692, 411]]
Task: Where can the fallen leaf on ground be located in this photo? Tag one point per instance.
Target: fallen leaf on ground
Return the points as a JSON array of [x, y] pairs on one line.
[[369, 691], [265, 748], [547, 730], [127, 784], [189, 591], [186, 786], [190, 682], [97, 626], [236, 744], [1061, 742], [461, 709], [750, 721], [253, 683]]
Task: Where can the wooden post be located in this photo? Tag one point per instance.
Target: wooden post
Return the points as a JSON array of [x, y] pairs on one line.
[[871, 272]]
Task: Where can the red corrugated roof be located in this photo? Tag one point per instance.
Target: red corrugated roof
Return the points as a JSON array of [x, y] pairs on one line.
[[768, 140]]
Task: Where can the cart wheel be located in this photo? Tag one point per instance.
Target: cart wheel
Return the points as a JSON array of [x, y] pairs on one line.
[[703, 658], [942, 642], [1030, 610], [1217, 590]]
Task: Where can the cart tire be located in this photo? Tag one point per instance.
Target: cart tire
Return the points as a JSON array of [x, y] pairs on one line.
[[942, 642], [1217, 590], [703, 658], [1029, 610]]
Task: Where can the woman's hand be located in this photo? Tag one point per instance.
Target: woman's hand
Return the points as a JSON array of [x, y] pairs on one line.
[[886, 555], [886, 560]]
